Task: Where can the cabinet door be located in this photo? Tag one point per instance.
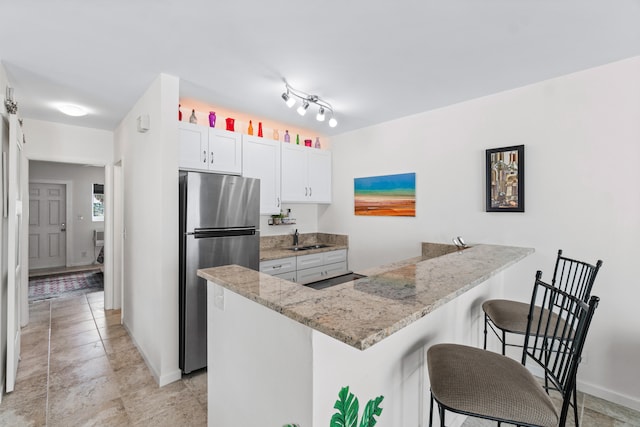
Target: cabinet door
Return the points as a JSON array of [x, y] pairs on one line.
[[193, 142], [310, 275], [319, 176], [261, 159], [294, 173], [290, 276], [225, 151], [333, 270]]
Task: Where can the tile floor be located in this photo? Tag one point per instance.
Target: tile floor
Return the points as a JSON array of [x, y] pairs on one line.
[[80, 368]]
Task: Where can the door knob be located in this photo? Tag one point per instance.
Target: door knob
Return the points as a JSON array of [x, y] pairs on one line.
[[64, 227]]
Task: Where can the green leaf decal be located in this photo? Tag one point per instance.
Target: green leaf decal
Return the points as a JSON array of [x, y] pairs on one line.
[[370, 411], [347, 406]]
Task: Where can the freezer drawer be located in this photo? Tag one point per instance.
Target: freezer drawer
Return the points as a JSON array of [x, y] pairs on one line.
[[203, 253]]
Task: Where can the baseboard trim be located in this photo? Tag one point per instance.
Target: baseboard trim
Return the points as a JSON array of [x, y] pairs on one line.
[[609, 395], [597, 391], [169, 378], [161, 380]]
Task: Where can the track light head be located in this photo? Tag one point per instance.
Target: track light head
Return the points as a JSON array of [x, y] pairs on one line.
[[320, 115], [302, 110], [288, 99], [333, 122]]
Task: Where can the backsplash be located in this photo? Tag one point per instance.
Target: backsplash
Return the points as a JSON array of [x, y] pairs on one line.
[[286, 240]]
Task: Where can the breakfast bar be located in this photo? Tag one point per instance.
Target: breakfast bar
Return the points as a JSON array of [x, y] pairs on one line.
[[279, 352]]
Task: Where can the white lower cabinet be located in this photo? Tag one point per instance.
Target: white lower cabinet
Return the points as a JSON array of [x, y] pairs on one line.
[[308, 268]]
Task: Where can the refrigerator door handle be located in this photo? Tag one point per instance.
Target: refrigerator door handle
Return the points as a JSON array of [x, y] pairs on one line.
[[203, 233]]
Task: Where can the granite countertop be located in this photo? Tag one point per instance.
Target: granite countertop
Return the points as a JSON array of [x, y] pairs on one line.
[[363, 312]]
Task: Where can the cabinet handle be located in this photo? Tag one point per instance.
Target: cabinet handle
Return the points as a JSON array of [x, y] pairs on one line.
[[309, 191], [277, 267], [212, 157], [204, 156], [278, 199], [306, 191]]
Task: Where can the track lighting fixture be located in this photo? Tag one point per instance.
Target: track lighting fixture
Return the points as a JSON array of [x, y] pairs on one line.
[[290, 95]]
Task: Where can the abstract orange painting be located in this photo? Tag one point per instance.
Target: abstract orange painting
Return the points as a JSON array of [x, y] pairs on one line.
[[387, 195]]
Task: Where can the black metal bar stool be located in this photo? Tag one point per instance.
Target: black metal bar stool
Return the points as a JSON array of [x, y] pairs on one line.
[[480, 383]]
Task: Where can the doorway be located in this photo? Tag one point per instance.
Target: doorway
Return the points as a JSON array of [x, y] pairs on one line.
[[47, 226], [66, 227]]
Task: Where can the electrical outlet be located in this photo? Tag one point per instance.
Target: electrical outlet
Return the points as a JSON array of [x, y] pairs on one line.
[[84, 254], [218, 297]]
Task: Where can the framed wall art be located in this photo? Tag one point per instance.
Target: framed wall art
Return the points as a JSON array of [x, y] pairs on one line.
[[505, 179], [387, 195]]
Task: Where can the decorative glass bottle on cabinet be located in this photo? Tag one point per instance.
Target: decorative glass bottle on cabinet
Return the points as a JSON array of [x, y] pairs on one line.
[[193, 119], [250, 130], [287, 138], [276, 135]]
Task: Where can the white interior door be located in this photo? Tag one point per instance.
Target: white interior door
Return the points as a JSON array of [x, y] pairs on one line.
[[47, 225], [14, 264]]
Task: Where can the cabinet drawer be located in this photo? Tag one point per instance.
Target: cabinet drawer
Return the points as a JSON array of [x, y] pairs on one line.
[[311, 260], [278, 266], [335, 256]]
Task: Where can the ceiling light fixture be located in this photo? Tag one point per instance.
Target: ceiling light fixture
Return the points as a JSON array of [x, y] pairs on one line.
[[290, 95], [72, 110]]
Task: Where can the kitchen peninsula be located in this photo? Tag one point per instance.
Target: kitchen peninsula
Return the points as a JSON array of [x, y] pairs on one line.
[[279, 352]]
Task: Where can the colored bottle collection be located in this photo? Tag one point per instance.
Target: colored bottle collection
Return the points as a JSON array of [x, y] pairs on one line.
[[230, 126]]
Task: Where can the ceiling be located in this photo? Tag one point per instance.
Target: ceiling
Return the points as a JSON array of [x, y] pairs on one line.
[[374, 61]]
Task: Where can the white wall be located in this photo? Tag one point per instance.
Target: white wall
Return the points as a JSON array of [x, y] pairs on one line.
[[150, 169], [79, 222], [55, 142], [581, 137]]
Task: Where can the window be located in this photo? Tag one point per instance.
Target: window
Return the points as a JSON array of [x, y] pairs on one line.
[[97, 206]]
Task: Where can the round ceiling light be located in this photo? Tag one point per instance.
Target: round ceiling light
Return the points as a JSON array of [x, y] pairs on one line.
[[72, 110]]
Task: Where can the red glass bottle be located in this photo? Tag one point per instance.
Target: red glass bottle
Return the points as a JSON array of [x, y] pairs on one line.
[[260, 129]]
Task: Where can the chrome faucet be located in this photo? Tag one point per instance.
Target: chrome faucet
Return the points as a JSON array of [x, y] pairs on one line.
[[295, 238]]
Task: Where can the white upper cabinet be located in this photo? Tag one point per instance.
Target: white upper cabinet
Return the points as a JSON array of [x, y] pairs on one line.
[[209, 149], [306, 174], [261, 159]]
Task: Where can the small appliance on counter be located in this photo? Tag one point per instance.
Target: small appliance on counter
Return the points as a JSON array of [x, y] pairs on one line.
[[219, 219]]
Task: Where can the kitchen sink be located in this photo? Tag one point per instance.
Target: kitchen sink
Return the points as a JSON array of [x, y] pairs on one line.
[[309, 247]]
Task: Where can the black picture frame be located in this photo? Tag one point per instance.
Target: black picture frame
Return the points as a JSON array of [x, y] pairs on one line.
[[505, 179]]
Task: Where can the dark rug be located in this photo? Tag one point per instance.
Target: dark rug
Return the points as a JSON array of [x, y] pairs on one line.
[[41, 288]]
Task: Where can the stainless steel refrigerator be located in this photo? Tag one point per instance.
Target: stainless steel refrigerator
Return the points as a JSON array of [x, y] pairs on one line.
[[219, 220]]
